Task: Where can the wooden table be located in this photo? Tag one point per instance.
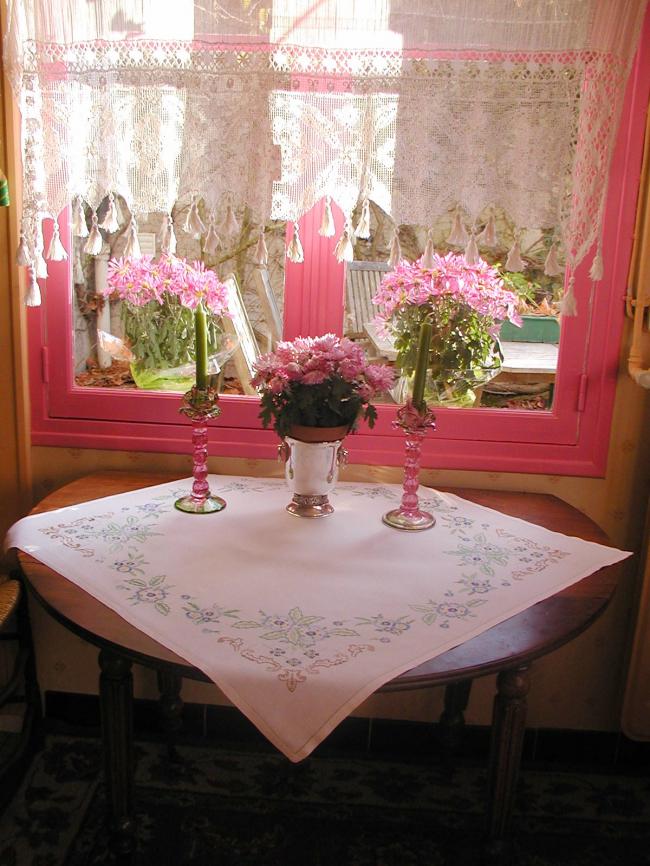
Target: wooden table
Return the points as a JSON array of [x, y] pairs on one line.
[[506, 650]]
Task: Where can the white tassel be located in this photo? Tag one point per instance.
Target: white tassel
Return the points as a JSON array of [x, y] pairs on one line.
[[261, 252], [427, 256], [596, 270], [471, 251], [56, 251], [212, 241], [458, 236], [110, 222], [193, 223], [395, 256], [551, 264], [95, 242], [22, 253], [363, 226], [344, 251], [514, 262], [79, 225], [33, 294], [40, 265], [568, 304], [132, 249], [167, 236], [294, 250], [488, 237], [230, 226], [327, 228]]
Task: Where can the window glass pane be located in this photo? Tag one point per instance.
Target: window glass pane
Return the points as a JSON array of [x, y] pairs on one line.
[[519, 371], [118, 344]]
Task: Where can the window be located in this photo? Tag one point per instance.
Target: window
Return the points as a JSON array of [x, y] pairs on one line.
[[569, 437]]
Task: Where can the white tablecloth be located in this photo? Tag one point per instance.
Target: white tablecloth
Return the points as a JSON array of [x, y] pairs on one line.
[[298, 621]]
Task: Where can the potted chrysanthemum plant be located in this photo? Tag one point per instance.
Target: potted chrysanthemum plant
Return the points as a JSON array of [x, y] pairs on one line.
[[313, 391]]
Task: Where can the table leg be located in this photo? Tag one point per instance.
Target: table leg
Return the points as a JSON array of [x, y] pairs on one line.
[[116, 698], [171, 708], [508, 726], [452, 718]]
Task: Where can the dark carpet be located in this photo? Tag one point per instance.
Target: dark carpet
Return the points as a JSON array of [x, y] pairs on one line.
[[227, 807]]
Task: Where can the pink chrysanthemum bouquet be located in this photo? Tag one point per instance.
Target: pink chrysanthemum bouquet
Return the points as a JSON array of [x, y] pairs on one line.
[[159, 301], [466, 305], [318, 382]]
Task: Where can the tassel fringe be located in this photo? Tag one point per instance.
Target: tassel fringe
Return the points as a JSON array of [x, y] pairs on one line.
[[458, 236], [344, 251], [596, 270], [212, 241], [362, 230], [33, 294], [110, 222], [193, 223], [395, 256], [551, 264], [230, 226], [514, 262], [167, 236], [56, 251], [93, 245], [294, 250], [132, 249], [471, 251], [427, 256], [327, 229], [22, 253], [79, 225], [488, 237], [568, 304], [40, 265]]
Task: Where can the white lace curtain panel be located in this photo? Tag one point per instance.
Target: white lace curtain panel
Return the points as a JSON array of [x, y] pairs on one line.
[[458, 109]]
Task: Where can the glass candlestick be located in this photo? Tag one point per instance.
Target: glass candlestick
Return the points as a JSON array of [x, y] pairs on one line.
[[415, 423], [200, 406]]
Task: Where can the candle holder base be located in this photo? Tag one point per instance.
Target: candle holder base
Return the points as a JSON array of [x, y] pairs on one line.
[[414, 421], [209, 505], [200, 406], [399, 519]]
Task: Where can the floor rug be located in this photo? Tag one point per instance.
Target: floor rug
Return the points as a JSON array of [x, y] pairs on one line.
[[246, 808]]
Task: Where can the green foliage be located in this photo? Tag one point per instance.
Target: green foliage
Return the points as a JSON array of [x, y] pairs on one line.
[[332, 403], [162, 334]]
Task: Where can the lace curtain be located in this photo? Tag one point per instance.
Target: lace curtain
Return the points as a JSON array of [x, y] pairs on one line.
[[453, 110]]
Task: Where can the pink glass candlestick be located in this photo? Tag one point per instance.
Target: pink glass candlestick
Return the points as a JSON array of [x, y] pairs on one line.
[[200, 405], [415, 424]]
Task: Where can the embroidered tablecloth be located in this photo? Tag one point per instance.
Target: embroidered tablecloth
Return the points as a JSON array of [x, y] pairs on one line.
[[298, 621]]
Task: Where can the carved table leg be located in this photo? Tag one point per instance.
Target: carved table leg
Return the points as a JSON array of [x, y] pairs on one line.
[[452, 719], [508, 726], [171, 708], [116, 697]]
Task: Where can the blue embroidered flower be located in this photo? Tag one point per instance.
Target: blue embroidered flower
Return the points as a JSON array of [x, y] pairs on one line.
[[481, 554], [295, 628], [132, 565], [150, 591], [475, 585], [383, 623], [446, 610], [201, 615]]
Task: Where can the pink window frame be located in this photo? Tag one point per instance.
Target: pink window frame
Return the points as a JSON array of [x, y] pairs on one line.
[[571, 439]]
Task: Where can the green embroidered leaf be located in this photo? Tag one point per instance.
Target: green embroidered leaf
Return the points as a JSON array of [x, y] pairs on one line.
[[293, 635], [308, 620], [161, 607], [136, 581], [274, 635], [429, 618], [295, 614], [344, 632], [156, 581], [246, 624]]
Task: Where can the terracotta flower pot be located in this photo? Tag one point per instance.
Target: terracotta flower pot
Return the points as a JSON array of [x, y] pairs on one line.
[[318, 434]]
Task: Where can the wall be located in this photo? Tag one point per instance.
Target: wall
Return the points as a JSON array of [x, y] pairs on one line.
[[578, 686]]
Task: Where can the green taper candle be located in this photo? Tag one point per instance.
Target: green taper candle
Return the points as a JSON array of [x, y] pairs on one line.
[[201, 336], [421, 364]]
